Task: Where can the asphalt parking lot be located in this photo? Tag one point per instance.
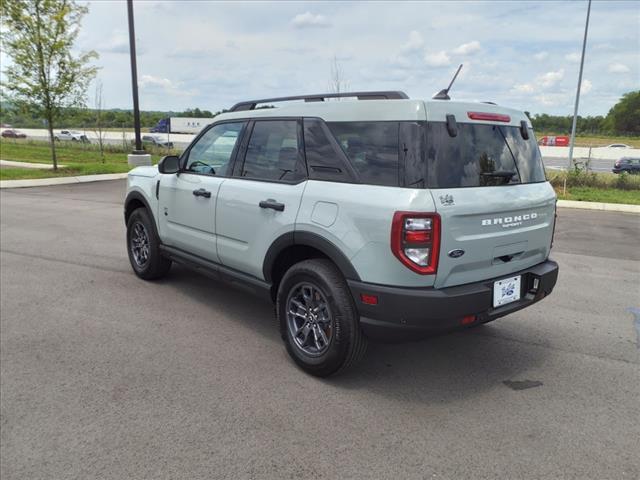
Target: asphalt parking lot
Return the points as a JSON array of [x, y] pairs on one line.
[[105, 376]]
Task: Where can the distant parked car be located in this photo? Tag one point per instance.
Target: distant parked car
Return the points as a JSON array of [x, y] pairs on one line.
[[71, 135], [156, 141], [13, 134], [618, 145], [627, 164]]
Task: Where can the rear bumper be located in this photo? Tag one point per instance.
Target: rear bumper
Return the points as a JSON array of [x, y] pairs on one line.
[[404, 313]]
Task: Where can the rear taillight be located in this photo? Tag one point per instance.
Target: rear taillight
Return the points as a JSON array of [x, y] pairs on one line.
[[415, 240], [489, 117]]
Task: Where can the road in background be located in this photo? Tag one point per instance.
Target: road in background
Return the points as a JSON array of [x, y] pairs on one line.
[[602, 158], [103, 375]]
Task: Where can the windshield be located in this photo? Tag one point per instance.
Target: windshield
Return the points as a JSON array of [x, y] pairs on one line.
[[481, 155]]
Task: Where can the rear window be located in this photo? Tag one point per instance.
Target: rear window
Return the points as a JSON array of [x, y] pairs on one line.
[[480, 156]]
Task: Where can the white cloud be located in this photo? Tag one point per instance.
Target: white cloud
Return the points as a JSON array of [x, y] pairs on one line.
[[416, 42], [550, 79], [309, 20], [523, 88], [151, 81], [586, 86], [572, 57], [541, 55], [618, 68], [153, 84], [551, 99], [467, 48], [438, 59]]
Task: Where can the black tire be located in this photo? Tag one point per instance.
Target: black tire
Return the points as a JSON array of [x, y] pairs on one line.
[[151, 264], [346, 344]]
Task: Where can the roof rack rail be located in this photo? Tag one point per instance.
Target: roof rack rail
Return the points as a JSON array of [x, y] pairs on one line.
[[320, 97]]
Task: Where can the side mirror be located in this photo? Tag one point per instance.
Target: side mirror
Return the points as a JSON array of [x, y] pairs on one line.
[[169, 164]]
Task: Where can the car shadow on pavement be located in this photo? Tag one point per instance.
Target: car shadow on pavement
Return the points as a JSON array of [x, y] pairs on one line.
[[434, 369]]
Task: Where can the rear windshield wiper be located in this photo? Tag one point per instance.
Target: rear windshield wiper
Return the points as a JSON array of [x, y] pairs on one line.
[[499, 173]]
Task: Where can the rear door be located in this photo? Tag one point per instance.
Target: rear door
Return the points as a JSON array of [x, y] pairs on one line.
[[496, 208], [261, 201]]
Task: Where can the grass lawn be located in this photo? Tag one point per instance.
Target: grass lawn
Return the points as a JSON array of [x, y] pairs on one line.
[[70, 170], [605, 195], [67, 153]]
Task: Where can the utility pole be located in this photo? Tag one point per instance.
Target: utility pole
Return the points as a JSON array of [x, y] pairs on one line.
[[575, 110], [134, 78]]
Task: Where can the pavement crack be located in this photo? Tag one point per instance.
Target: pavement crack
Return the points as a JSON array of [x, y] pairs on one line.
[[66, 262]]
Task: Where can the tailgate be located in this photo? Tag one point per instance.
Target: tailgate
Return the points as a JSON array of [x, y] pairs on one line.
[[492, 232]]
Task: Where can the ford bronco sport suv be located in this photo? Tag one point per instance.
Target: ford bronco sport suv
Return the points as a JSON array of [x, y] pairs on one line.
[[380, 217]]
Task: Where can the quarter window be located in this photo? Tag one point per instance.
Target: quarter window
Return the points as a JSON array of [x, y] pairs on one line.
[[372, 149], [274, 152], [212, 152], [325, 158]]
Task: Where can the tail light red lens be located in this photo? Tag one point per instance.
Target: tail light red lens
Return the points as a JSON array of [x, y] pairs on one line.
[[415, 240], [489, 117], [417, 237]]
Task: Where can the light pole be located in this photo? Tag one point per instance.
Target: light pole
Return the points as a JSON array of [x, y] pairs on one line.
[[575, 109], [134, 78]]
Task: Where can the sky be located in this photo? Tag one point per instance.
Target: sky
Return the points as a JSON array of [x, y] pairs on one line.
[[522, 54]]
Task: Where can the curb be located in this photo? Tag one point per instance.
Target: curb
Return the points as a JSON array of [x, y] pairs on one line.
[[45, 182], [608, 207]]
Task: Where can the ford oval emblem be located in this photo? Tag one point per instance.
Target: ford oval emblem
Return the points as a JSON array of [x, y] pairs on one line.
[[457, 253]]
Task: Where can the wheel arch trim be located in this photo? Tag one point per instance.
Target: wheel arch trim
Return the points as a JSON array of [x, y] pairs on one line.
[[309, 239], [136, 195]]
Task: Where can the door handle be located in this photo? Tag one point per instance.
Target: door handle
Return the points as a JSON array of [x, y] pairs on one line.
[[201, 192], [272, 204]]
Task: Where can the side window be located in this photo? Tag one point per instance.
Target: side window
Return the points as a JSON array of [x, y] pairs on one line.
[[325, 158], [372, 149], [212, 152], [273, 152]]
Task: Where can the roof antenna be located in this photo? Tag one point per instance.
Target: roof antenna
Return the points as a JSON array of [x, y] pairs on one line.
[[444, 94]]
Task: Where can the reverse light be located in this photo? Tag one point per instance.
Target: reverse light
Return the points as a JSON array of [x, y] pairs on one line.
[[489, 117], [415, 240]]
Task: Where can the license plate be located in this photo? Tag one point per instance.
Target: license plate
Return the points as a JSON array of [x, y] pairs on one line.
[[506, 291]]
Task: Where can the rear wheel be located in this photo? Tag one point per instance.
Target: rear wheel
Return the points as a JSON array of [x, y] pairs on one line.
[[143, 246], [317, 318]]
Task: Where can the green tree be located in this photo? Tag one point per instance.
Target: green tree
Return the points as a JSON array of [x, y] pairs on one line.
[[624, 117], [38, 36]]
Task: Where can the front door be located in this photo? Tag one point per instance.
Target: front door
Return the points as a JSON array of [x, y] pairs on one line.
[[261, 201], [187, 200]]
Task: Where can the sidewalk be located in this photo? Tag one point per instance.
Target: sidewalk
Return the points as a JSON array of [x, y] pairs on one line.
[[45, 182], [11, 163]]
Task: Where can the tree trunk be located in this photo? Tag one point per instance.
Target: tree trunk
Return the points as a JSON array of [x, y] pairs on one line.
[[52, 142]]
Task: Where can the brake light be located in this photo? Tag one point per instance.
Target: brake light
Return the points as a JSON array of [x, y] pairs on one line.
[[489, 117], [415, 240]]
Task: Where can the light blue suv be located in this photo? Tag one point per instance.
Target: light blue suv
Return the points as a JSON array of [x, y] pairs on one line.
[[380, 217]]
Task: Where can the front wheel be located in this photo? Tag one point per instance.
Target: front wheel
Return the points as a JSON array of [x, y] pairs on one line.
[[143, 246], [318, 321]]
